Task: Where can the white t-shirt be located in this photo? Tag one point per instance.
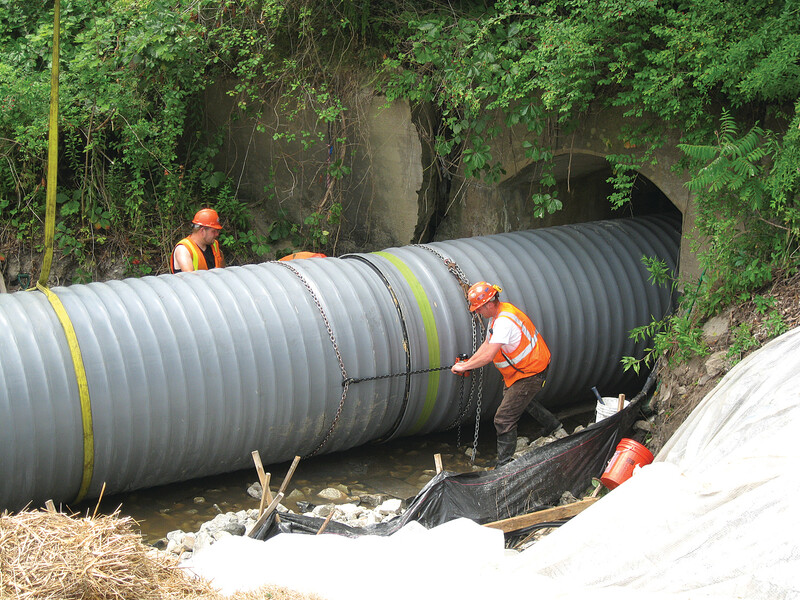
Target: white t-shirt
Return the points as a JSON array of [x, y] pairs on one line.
[[506, 332]]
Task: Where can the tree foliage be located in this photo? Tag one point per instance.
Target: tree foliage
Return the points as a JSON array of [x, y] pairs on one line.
[[705, 69], [136, 155], [137, 158]]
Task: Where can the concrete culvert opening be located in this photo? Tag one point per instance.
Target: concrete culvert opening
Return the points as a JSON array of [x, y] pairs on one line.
[[584, 186]]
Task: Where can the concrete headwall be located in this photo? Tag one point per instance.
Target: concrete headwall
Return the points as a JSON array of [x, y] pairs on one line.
[[282, 166], [397, 193], [581, 170]]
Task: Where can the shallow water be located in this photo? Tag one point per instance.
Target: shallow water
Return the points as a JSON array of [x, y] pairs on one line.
[[398, 469]]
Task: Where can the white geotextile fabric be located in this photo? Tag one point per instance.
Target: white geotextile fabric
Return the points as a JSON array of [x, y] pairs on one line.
[[715, 516]]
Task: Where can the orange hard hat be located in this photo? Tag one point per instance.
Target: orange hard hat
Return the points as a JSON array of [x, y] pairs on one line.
[[207, 217], [480, 293]]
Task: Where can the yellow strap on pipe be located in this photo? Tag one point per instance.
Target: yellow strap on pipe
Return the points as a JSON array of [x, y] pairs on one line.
[[52, 157], [83, 390], [47, 262]]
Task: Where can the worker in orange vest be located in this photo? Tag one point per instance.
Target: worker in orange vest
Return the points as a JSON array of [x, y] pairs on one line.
[[520, 354], [200, 249]]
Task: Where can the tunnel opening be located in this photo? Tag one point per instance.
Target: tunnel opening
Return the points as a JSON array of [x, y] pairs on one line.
[[584, 186]]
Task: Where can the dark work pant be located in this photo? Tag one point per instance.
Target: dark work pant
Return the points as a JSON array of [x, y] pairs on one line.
[[516, 399]]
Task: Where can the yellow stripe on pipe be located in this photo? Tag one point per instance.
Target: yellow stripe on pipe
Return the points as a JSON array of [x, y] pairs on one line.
[[431, 335], [83, 390]]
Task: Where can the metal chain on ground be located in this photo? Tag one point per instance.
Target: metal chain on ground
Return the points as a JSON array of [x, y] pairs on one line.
[[345, 381]]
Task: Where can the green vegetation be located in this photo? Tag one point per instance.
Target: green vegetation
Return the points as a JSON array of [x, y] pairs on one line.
[[137, 158], [669, 66]]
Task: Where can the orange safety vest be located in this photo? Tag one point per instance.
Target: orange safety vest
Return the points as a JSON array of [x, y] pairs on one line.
[[530, 357], [198, 260]]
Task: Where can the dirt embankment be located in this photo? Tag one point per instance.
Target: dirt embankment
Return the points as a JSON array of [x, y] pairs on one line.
[[730, 337]]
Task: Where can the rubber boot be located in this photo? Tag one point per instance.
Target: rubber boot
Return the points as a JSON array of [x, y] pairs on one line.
[[506, 446], [545, 418]]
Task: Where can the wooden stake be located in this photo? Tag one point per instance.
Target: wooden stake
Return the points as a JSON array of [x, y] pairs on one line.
[[327, 520], [263, 479], [266, 494], [262, 519], [286, 481], [437, 459], [289, 474], [621, 404], [259, 467]]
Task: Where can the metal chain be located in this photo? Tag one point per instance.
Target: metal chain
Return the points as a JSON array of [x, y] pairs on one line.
[[463, 281], [345, 381], [451, 265], [374, 377], [462, 409], [477, 417]]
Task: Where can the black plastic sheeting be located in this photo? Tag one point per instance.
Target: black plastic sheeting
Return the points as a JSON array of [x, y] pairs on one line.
[[532, 482]]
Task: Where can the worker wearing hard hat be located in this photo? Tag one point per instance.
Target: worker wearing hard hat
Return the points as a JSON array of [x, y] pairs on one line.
[[521, 355], [200, 249]]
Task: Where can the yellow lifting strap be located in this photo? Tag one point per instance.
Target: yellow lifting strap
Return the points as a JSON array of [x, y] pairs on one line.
[[52, 157], [83, 390], [47, 261]]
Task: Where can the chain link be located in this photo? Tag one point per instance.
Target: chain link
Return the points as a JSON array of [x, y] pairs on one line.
[[374, 377], [453, 268], [451, 265], [462, 409], [477, 339], [345, 381], [477, 417]]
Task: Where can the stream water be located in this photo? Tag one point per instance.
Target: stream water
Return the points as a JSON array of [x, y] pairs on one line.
[[398, 469]]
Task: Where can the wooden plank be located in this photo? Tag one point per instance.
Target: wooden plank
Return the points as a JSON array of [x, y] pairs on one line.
[[542, 516]]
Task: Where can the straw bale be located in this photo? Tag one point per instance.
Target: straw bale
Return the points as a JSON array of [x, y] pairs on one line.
[[51, 555]]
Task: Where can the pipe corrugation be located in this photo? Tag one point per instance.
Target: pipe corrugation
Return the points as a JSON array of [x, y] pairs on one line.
[[189, 373]]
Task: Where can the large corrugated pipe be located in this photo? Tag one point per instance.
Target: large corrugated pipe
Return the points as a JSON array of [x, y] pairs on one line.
[[188, 374]]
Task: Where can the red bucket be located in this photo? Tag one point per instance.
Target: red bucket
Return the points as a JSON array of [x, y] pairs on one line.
[[629, 453]]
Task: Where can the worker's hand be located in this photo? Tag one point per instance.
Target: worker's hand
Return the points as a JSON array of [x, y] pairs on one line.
[[459, 367]]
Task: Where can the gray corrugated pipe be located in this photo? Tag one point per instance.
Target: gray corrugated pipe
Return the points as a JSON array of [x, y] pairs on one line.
[[188, 374]]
